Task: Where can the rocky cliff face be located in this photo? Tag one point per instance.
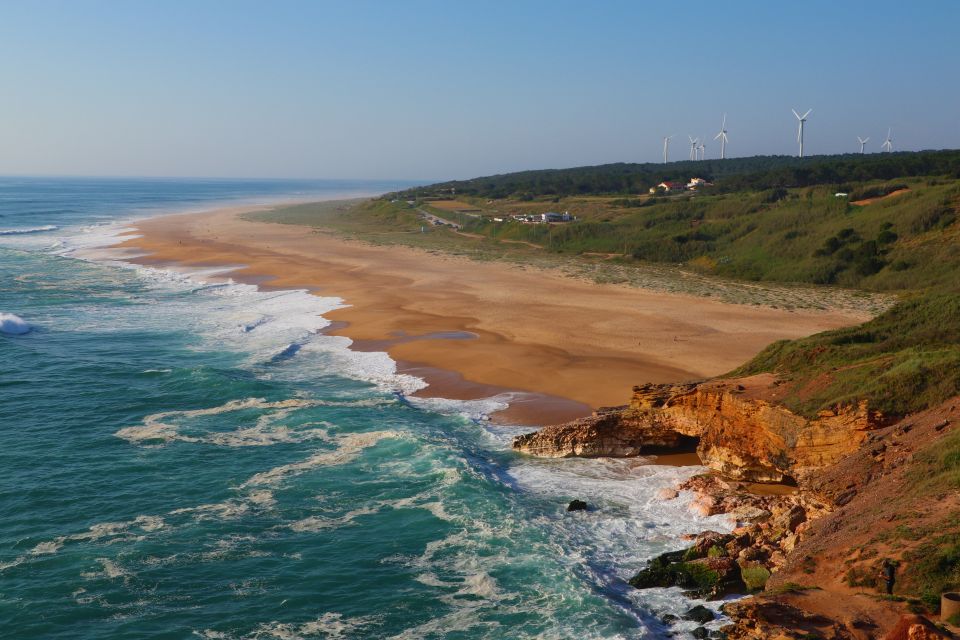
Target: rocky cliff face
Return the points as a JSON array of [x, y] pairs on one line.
[[743, 433]]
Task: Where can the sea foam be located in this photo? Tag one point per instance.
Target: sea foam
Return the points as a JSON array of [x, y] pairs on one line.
[[17, 232], [13, 325]]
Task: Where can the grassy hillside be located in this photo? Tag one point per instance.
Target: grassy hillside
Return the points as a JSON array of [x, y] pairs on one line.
[[903, 361], [905, 241]]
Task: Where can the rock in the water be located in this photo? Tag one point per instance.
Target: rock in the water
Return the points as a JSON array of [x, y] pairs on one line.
[[700, 632], [706, 577], [595, 436], [667, 494], [577, 505], [699, 614]]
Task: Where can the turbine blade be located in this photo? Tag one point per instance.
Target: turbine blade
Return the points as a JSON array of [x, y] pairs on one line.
[[795, 113], [724, 125], [717, 137], [809, 111]]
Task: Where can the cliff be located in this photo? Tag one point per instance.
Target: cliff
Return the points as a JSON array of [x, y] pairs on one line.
[[740, 430]]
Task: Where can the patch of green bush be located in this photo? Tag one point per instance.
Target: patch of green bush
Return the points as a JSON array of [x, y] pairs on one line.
[[905, 360], [755, 577]]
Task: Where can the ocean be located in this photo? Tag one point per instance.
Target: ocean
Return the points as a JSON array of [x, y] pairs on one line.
[[191, 458]]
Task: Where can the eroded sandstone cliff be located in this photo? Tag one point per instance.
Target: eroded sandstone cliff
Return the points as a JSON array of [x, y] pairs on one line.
[[741, 429]]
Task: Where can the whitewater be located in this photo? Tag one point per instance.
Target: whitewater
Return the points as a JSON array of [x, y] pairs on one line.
[[188, 456]]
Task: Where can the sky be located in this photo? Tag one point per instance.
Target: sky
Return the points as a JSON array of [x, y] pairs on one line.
[[431, 90]]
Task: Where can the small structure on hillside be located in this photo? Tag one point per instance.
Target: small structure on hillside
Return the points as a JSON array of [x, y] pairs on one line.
[[552, 216], [696, 183], [668, 185]]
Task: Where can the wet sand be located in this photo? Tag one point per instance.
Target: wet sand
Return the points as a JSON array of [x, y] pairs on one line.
[[474, 329]]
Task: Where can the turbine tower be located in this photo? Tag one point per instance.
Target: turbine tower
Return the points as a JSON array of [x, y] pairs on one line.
[[802, 119], [722, 137], [666, 148], [888, 143], [693, 147], [862, 142]]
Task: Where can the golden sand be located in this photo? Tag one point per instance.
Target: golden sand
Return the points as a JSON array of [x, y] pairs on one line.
[[573, 345]]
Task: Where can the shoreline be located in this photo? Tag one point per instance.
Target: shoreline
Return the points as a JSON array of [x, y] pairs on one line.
[[475, 330]]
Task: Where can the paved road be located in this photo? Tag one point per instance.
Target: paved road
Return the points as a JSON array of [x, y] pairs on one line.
[[432, 219]]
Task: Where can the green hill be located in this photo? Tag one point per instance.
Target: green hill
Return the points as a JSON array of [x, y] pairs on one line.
[[732, 174]]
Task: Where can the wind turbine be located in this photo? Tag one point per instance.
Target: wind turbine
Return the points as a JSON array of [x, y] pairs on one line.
[[703, 149], [666, 147], [722, 137], [888, 143], [802, 119], [862, 142], [693, 147]]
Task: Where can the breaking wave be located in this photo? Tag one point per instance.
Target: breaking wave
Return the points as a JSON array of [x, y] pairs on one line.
[[13, 325], [17, 232]]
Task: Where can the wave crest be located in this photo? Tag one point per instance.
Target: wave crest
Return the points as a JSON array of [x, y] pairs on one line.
[[13, 325], [17, 232]]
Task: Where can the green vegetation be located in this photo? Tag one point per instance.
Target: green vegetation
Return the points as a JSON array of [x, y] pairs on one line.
[[675, 568], [863, 575], [932, 568], [755, 577], [731, 175], [805, 235], [905, 360], [937, 469], [389, 223]]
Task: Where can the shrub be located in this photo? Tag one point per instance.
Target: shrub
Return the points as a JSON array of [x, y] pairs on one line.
[[755, 577]]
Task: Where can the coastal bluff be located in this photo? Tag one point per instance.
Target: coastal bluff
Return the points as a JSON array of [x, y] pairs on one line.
[[737, 425]]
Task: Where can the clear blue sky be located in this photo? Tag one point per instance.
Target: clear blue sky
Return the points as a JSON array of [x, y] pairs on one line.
[[431, 90]]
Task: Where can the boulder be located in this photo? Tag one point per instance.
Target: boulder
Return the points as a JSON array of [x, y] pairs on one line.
[[667, 494], [596, 436], [915, 627], [577, 505], [706, 541], [710, 577], [699, 614], [790, 519]]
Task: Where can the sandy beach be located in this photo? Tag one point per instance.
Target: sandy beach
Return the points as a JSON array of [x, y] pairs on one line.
[[472, 329]]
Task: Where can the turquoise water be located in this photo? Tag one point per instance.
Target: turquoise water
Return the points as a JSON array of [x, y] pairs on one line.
[[188, 458]]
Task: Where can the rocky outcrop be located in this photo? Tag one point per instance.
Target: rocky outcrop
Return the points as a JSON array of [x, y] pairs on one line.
[[610, 432], [710, 574], [739, 562], [741, 430], [770, 526], [756, 619]]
